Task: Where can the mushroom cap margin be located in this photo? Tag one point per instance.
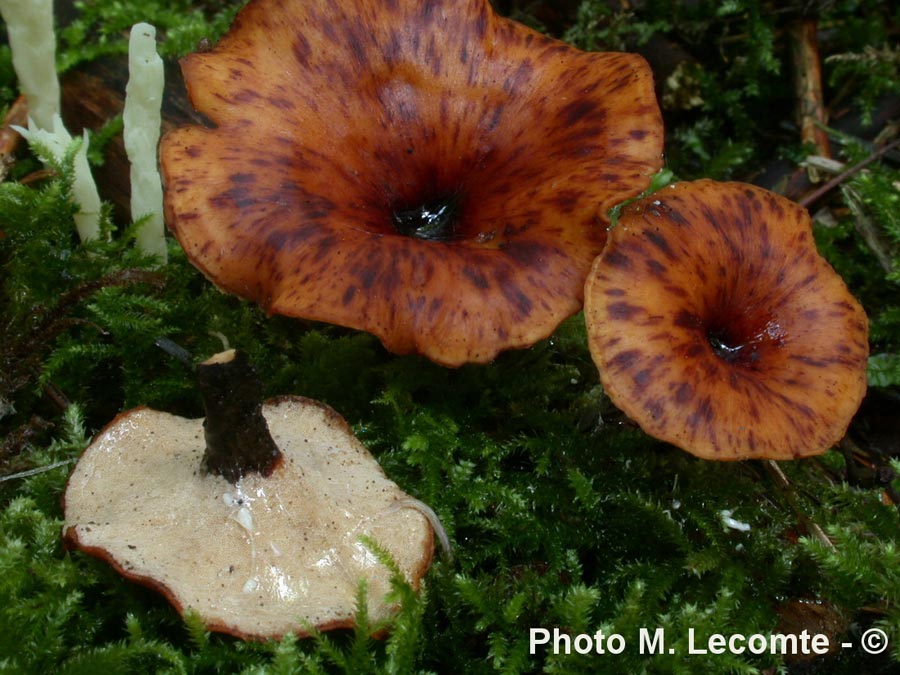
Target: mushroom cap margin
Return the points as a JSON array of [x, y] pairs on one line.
[[702, 260], [399, 129]]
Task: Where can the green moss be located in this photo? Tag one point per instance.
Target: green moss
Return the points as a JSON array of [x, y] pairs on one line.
[[561, 512], [101, 28]]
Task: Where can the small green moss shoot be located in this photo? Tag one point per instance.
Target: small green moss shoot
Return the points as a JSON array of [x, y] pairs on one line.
[[562, 513]]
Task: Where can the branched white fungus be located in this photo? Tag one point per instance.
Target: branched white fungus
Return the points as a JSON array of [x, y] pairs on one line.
[[29, 24], [56, 141]]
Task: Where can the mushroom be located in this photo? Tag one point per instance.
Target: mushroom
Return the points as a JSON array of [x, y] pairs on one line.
[[431, 173], [259, 544], [718, 327]]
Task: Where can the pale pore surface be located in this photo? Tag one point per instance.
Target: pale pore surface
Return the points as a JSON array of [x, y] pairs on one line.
[[260, 558]]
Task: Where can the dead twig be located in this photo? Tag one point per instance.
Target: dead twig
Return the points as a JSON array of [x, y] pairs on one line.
[[811, 111], [21, 346], [13, 443], [37, 470], [787, 491], [37, 176], [867, 229], [820, 192]]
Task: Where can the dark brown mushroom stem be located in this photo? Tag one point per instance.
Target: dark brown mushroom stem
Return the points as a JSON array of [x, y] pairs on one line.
[[237, 436]]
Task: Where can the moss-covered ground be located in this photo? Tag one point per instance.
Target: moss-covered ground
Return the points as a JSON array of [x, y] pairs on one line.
[[562, 513]]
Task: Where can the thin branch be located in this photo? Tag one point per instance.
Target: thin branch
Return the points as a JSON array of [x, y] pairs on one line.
[[787, 491], [816, 195], [40, 469], [867, 229]]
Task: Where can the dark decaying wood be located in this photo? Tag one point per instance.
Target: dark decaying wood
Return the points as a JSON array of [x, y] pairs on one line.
[[94, 94], [17, 115], [812, 115]]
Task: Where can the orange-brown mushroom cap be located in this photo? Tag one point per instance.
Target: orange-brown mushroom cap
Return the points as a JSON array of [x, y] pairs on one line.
[[718, 327], [429, 172]]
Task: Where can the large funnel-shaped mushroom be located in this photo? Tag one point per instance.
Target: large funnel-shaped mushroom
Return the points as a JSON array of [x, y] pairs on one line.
[[268, 553], [718, 327], [426, 171]]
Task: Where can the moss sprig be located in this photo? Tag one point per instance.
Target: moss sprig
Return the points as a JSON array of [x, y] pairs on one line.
[[562, 513]]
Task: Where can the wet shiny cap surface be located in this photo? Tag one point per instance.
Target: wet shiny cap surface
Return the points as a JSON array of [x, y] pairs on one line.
[[429, 172], [718, 327], [259, 558]]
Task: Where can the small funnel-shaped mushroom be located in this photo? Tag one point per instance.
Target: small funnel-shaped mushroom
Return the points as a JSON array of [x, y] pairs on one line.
[[718, 327], [271, 552], [428, 172]]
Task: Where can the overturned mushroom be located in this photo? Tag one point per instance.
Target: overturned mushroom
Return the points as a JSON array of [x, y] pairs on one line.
[[718, 327], [275, 549], [430, 172]]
